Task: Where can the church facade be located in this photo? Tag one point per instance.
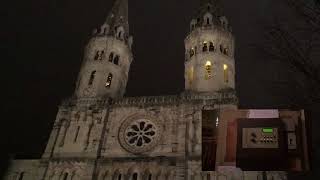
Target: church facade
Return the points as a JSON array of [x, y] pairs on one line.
[[99, 134]]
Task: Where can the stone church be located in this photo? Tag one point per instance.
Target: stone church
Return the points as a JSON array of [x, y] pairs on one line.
[[100, 135]]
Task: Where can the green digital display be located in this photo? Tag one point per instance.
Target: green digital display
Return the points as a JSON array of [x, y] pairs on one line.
[[267, 130]]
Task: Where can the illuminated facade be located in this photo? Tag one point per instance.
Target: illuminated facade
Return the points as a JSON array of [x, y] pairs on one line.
[[100, 135]]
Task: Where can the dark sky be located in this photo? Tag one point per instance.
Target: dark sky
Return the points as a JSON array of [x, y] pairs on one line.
[[44, 42]]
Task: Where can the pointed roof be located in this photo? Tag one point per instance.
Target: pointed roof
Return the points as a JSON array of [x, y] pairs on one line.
[[119, 15], [212, 6]]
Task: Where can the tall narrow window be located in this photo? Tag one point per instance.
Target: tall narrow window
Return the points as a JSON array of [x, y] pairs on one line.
[[221, 48], [65, 176], [109, 80], [208, 67], [119, 177], [208, 21], [190, 75], [93, 74], [111, 57], [211, 47], [21, 175], [120, 34], [191, 52], [76, 135], [193, 26], [101, 54], [225, 73], [150, 177], [116, 60], [135, 176], [225, 51], [205, 46], [97, 55]]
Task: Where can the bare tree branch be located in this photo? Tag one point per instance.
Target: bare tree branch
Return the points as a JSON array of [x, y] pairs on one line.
[[296, 48]]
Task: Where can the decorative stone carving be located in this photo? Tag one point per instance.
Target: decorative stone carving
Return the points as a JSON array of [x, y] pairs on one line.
[[140, 133]]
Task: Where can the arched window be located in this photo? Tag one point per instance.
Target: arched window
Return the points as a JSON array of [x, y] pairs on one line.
[[211, 47], [21, 176], [97, 55], [65, 176], [225, 51], [207, 19], [205, 46], [109, 80], [208, 67], [193, 26], [135, 176], [191, 52], [111, 57], [120, 34], [225, 73], [119, 177], [116, 60], [93, 74], [150, 177], [221, 48], [100, 56]]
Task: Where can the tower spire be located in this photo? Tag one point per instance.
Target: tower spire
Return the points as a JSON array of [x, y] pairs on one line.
[[119, 16], [213, 6]]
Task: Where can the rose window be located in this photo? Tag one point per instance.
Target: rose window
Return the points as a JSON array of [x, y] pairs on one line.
[[139, 135]]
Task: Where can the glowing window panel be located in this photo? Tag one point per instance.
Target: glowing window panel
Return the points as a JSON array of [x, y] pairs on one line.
[[208, 69], [225, 67]]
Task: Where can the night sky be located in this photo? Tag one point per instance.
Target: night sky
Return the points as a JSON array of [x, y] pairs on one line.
[[44, 42]]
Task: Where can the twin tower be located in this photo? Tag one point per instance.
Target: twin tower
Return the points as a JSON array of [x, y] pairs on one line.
[[209, 55]]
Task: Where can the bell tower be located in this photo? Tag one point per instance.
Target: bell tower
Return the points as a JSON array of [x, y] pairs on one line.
[[209, 55], [107, 57]]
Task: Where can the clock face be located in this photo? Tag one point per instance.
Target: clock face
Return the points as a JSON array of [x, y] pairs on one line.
[[139, 134]]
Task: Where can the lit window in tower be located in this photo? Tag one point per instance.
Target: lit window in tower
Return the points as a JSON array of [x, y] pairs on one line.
[[217, 122], [205, 46], [191, 52], [225, 73], [208, 67], [109, 80]]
